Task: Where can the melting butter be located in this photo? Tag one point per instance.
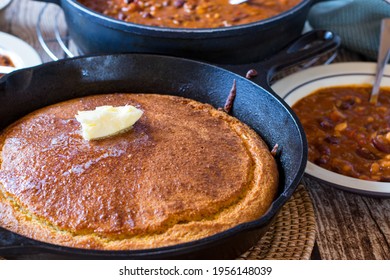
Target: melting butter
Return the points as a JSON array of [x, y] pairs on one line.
[[107, 120]]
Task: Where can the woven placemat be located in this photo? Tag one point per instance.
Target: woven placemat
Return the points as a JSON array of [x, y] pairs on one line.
[[292, 234]]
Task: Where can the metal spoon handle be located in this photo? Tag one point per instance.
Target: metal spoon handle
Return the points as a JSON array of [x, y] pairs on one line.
[[383, 57]]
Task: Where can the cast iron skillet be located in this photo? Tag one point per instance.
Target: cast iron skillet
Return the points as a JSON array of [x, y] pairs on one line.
[[95, 33], [26, 90]]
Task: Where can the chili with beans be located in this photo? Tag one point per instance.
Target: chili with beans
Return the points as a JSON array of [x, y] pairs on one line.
[[5, 61], [189, 13], [346, 133]]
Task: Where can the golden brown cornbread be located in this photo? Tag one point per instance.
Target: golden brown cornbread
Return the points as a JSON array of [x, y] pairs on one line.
[[183, 172]]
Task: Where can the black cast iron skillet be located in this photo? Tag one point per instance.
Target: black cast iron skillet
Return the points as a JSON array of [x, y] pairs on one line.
[[95, 33], [26, 90]]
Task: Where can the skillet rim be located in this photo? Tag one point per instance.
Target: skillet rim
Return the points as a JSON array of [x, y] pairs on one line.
[[167, 32]]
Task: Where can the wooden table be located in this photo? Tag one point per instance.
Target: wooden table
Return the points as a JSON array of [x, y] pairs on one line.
[[349, 226]]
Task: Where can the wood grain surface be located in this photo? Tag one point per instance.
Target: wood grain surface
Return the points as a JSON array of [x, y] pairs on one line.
[[349, 226], [21, 19]]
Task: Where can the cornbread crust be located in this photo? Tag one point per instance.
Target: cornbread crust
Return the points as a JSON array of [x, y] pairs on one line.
[[183, 172]]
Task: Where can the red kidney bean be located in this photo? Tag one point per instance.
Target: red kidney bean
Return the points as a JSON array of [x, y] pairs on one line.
[[326, 123], [347, 104], [323, 149], [381, 144], [366, 153], [179, 3], [332, 140], [251, 74], [321, 161]]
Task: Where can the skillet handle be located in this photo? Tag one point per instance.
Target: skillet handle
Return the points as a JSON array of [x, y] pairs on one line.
[[309, 46]]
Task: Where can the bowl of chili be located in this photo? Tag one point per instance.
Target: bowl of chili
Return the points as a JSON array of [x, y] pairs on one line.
[[4, 4], [14, 52], [348, 138], [224, 37]]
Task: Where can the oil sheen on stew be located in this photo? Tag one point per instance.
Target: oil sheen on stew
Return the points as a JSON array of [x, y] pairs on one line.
[[347, 134], [189, 13]]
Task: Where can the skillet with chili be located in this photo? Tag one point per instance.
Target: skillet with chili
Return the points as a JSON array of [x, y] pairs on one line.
[[190, 13]]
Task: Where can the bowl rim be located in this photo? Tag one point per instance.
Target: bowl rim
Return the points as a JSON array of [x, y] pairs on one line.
[[20, 52], [4, 4], [300, 84]]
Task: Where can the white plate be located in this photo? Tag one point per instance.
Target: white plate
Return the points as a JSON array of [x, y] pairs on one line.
[[4, 3], [21, 53], [296, 86]]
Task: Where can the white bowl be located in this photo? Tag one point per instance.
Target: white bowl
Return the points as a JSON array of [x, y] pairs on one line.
[[21, 53], [298, 85], [4, 4]]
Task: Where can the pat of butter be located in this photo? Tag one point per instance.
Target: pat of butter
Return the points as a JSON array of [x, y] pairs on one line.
[[107, 120]]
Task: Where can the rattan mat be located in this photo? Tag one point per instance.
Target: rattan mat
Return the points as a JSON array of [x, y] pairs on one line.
[[292, 234]]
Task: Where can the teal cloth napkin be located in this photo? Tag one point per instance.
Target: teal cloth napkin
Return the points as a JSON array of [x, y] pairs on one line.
[[356, 21]]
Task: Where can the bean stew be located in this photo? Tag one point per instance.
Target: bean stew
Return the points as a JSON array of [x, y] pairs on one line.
[[5, 61], [346, 133], [189, 13]]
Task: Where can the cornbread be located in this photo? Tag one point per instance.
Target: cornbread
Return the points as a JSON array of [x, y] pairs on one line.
[[184, 171]]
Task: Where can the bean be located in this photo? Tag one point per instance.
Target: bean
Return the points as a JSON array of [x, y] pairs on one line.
[[140, 4], [336, 116], [346, 104], [133, 7], [332, 140], [323, 149], [326, 123], [323, 160], [341, 126], [344, 167], [147, 15], [385, 164], [121, 16], [381, 144], [189, 7], [178, 3], [366, 153], [251, 74], [375, 168]]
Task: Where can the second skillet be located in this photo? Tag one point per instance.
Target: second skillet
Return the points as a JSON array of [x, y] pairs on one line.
[[26, 90], [95, 33]]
